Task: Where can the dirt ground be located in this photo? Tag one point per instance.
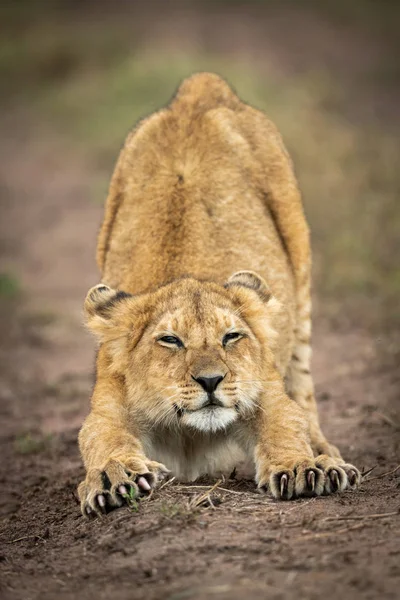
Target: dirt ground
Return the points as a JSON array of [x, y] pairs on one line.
[[175, 546]]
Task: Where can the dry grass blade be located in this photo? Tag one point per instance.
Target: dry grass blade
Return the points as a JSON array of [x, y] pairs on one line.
[[210, 502], [325, 534], [254, 508], [199, 499], [168, 482], [26, 537], [365, 474], [206, 487], [392, 472], [256, 505], [363, 517], [193, 487], [147, 497], [231, 491], [388, 420]]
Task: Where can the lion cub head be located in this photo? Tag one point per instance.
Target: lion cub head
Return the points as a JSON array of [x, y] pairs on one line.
[[192, 353]]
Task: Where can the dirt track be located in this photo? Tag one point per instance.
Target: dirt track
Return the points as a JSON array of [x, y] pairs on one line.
[[247, 545]]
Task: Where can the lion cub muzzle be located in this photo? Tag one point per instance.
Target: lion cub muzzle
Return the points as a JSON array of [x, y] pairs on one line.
[[209, 385]]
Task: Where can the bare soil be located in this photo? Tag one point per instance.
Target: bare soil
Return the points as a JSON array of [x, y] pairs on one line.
[[242, 544]]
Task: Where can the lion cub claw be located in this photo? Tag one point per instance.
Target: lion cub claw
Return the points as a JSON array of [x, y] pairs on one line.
[[304, 479], [324, 475], [339, 475], [117, 483]]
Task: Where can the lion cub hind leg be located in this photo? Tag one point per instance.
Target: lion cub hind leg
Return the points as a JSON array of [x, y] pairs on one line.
[[118, 482]]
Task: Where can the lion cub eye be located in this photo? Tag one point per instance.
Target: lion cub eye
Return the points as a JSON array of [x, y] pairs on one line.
[[231, 337], [170, 340]]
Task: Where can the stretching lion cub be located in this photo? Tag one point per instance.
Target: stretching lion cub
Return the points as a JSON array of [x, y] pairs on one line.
[[204, 358]]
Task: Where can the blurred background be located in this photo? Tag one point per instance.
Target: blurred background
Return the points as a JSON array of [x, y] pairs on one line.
[[77, 74]]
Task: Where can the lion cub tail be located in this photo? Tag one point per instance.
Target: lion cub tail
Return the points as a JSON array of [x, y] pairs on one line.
[[205, 91]]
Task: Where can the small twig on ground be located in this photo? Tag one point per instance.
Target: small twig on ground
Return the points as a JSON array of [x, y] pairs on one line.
[[231, 491], [148, 496], [324, 534], [362, 517], [392, 472], [297, 505], [210, 502], [365, 474], [206, 487], [388, 420], [257, 505], [168, 482], [26, 537], [195, 487], [261, 507]]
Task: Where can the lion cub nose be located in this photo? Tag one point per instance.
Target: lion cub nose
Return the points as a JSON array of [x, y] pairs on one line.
[[209, 384]]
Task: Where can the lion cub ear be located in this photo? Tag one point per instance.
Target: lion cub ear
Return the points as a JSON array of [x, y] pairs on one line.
[[257, 304], [252, 281], [101, 306]]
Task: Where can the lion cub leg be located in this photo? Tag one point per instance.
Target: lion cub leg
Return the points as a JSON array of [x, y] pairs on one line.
[[300, 387], [285, 464], [117, 468]]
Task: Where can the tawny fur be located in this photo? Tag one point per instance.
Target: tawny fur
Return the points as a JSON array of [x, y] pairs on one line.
[[204, 189]]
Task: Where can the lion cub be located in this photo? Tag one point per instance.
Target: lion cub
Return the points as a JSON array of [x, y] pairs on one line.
[[203, 318]]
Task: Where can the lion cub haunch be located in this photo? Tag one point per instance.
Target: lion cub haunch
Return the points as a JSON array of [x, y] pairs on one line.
[[203, 319]]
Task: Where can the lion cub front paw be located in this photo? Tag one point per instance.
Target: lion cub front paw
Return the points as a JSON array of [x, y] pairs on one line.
[[310, 477], [284, 482], [119, 482], [339, 475]]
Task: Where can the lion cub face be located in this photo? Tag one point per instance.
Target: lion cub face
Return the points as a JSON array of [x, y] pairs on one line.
[[191, 353]]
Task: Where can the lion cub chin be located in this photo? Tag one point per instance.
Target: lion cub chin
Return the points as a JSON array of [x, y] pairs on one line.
[[210, 418]]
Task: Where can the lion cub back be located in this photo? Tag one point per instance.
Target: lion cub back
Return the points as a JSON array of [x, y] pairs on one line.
[[206, 172]]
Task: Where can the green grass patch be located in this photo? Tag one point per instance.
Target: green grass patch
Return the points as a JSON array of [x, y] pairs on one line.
[[173, 510], [131, 499], [29, 443], [9, 286]]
